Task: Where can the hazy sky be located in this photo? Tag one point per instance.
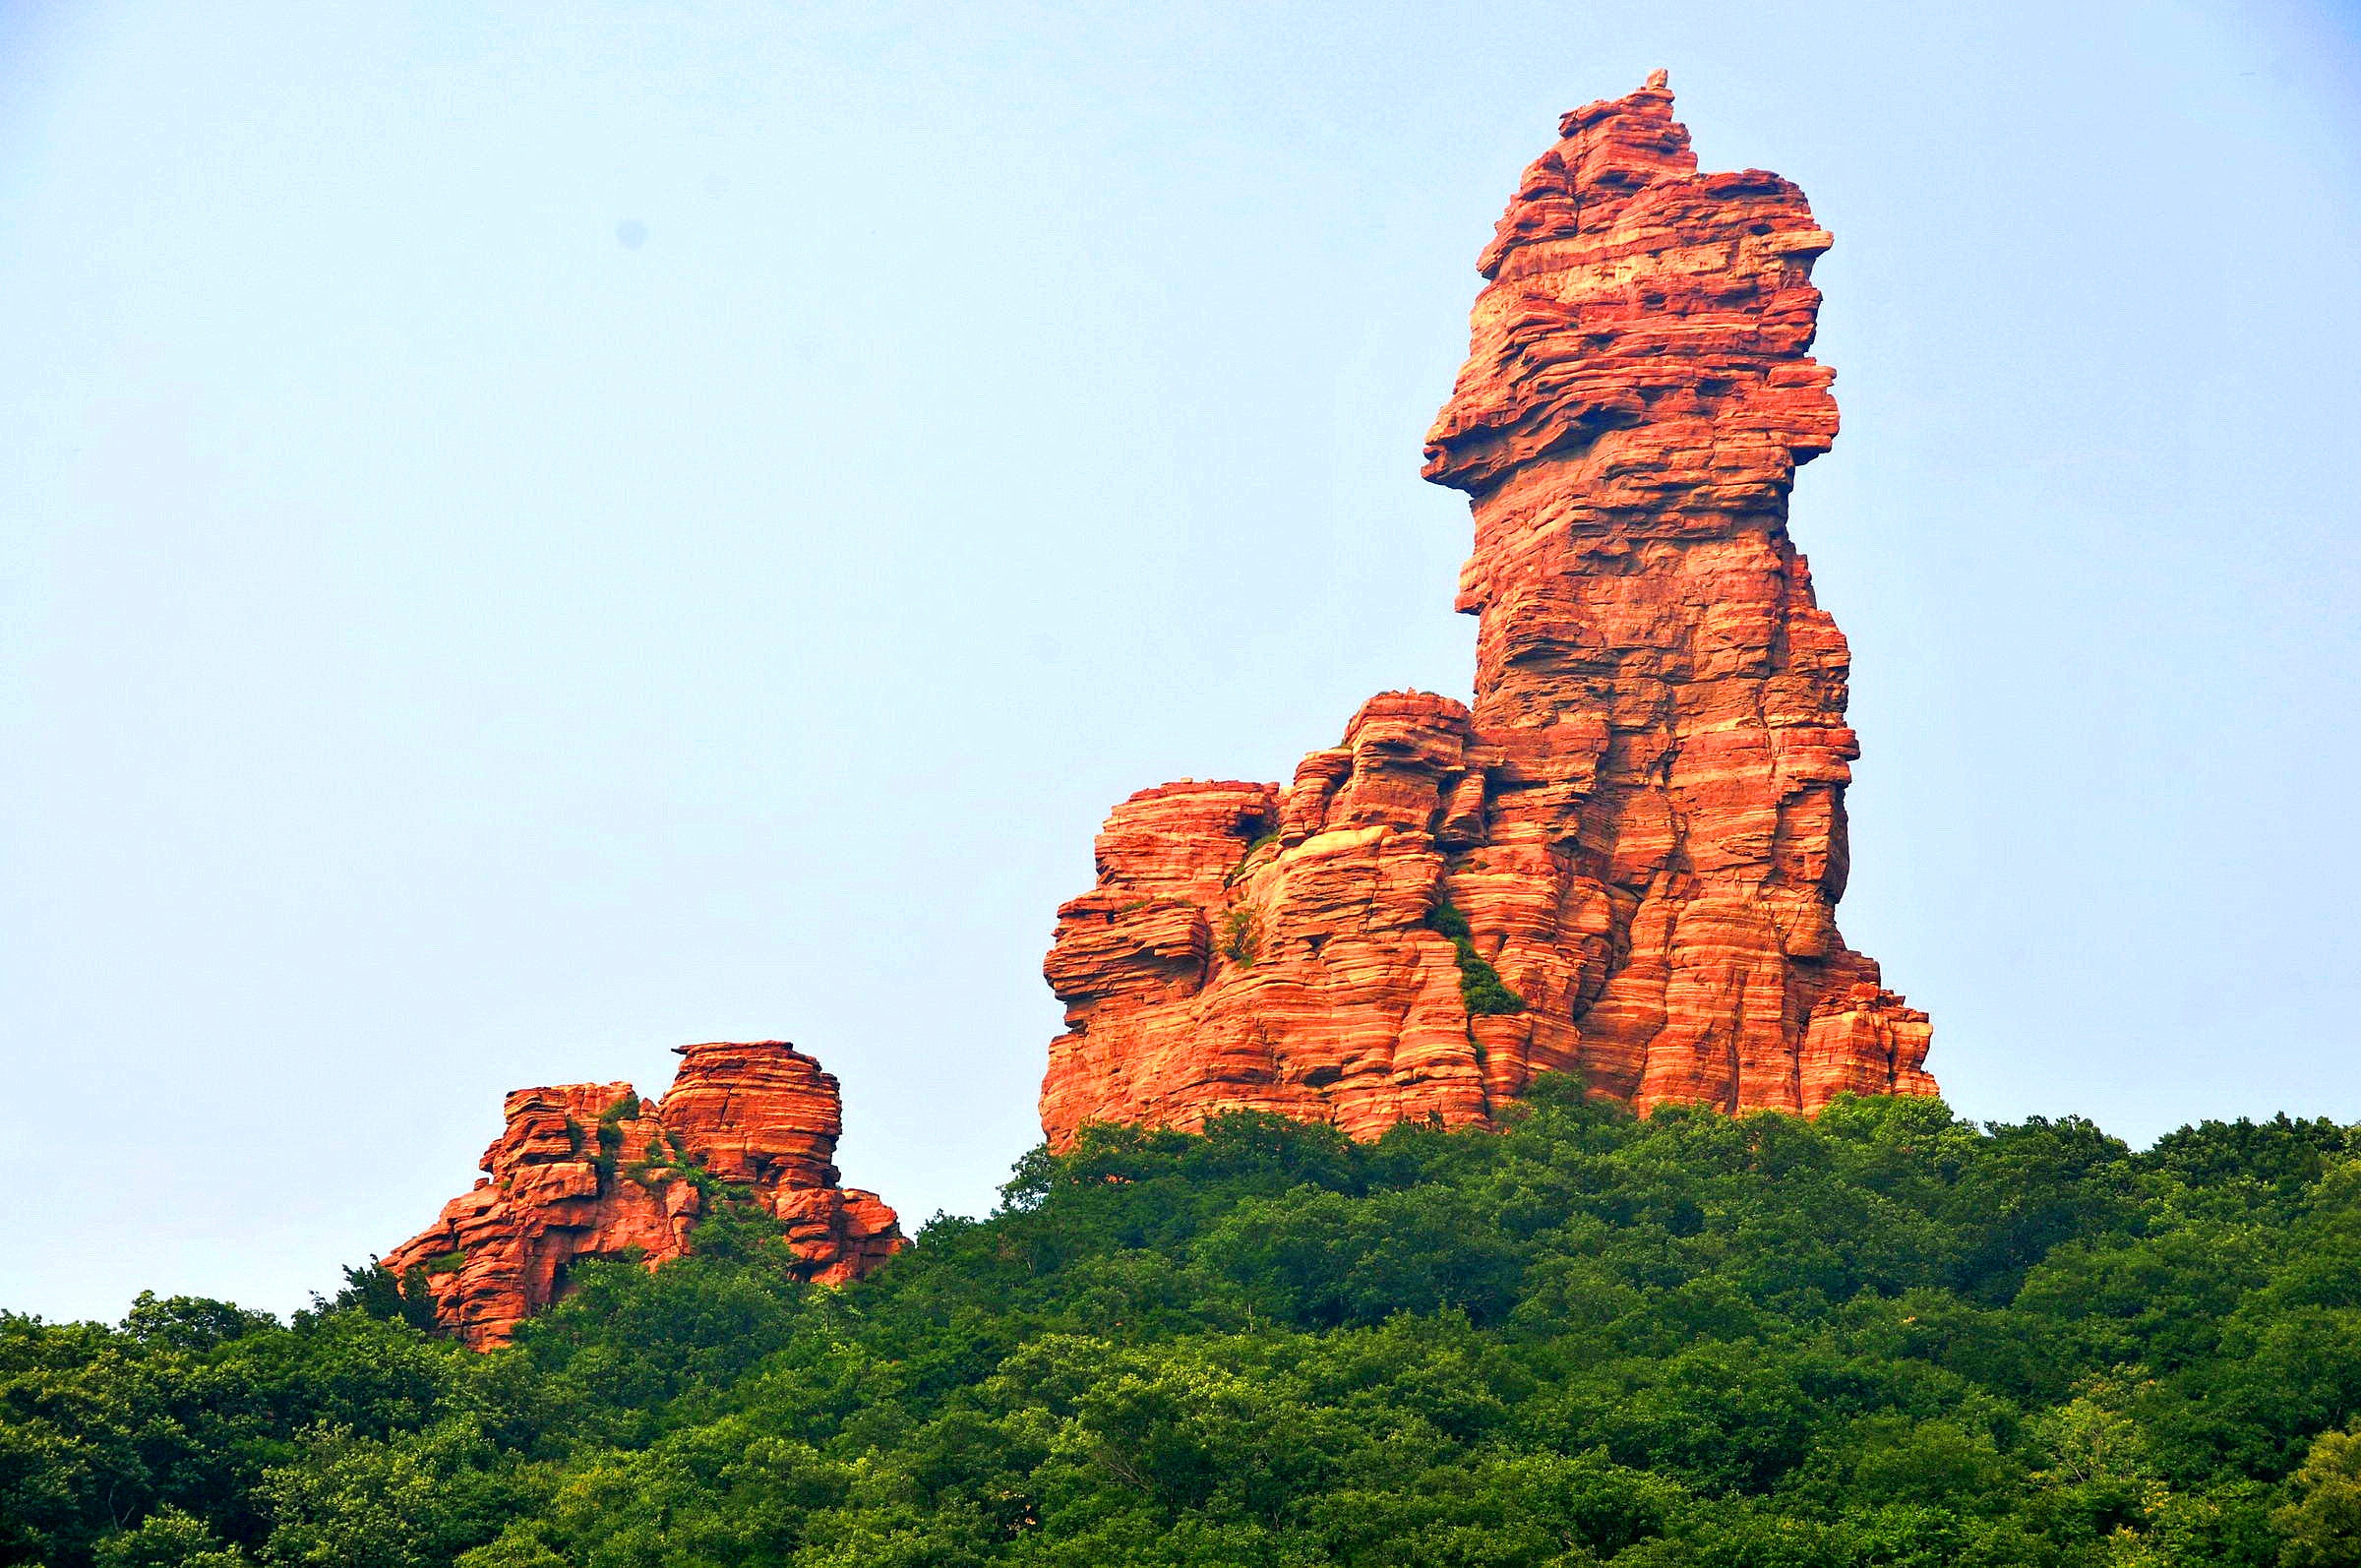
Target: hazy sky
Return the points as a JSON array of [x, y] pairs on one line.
[[540, 533]]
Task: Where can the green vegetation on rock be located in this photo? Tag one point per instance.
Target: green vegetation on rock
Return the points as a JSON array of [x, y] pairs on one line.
[[1240, 936], [1480, 988], [1884, 1336]]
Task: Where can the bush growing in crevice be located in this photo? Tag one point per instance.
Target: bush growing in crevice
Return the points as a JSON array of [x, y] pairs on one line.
[[610, 1149], [1240, 937], [1254, 846], [1480, 988]]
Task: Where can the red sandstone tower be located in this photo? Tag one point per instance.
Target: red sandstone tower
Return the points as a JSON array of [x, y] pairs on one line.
[[1626, 861]]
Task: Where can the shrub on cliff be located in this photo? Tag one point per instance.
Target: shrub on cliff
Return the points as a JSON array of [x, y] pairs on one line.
[[1481, 990], [1884, 1336]]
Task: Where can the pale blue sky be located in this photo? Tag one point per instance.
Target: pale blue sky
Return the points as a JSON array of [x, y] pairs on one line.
[[444, 647]]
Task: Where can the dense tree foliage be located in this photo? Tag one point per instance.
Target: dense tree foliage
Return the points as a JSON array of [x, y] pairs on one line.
[[1881, 1336]]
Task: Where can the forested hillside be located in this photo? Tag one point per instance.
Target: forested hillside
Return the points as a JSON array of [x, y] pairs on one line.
[[1881, 1336]]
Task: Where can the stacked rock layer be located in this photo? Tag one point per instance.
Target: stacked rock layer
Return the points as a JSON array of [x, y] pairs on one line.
[[590, 1169], [1625, 860]]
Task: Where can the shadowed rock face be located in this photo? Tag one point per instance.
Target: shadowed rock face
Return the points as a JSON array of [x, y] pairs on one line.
[[1640, 822], [589, 1170]]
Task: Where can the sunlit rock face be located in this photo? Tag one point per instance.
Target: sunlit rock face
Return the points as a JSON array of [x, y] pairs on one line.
[[1639, 827], [590, 1169]]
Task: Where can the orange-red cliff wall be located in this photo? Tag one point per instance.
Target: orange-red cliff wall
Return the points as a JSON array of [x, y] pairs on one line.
[[1641, 820], [589, 1170]]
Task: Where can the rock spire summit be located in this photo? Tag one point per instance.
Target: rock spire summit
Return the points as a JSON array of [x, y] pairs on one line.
[[1624, 859]]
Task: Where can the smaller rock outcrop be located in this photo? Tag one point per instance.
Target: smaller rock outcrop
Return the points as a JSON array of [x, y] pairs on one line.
[[592, 1170]]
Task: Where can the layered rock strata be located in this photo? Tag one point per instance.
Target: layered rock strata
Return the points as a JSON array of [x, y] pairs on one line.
[[590, 1169], [1624, 859]]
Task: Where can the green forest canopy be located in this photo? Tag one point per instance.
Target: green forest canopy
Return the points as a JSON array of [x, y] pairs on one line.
[[1881, 1336]]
